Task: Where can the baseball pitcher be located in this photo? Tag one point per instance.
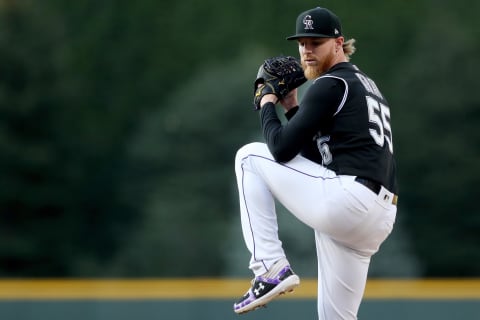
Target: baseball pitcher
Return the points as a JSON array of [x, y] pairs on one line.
[[331, 165]]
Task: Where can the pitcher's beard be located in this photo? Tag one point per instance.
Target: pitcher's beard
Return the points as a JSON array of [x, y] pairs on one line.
[[311, 72], [321, 65]]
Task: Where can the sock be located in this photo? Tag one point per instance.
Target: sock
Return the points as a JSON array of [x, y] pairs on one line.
[[276, 268]]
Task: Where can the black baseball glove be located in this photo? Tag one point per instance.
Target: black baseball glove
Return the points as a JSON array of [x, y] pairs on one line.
[[278, 76]]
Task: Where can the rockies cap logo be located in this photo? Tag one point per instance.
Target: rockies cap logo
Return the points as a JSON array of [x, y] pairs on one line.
[[308, 22]]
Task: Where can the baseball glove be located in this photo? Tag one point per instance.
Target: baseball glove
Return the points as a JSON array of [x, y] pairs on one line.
[[278, 76]]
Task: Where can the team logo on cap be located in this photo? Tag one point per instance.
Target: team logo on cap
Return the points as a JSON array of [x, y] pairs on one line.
[[308, 22]]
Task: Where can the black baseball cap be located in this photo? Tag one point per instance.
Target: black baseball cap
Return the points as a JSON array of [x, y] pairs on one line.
[[317, 23]]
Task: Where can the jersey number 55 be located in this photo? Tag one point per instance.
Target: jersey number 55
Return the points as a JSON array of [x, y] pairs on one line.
[[379, 116]]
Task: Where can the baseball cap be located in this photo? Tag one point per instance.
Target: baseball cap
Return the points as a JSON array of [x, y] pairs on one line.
[[317, 23]]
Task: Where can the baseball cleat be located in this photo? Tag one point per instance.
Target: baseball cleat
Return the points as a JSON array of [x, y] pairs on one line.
[[264, 290]]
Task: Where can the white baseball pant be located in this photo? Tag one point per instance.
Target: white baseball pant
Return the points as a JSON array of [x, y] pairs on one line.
[[349, 220]]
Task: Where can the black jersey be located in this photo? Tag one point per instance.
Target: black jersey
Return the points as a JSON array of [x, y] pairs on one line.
[[343, 123]]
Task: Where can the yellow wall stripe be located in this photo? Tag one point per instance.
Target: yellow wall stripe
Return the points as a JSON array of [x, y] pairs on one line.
[[206, 288]]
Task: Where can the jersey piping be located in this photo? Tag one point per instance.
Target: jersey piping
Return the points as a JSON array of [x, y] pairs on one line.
[[345, 94]]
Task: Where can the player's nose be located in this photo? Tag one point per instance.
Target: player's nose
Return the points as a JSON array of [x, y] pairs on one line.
[[306, 49]]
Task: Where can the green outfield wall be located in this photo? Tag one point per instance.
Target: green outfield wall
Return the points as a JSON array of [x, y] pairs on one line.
[[212, 299]]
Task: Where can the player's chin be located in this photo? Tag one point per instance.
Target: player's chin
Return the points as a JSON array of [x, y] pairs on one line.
[[311, 72]]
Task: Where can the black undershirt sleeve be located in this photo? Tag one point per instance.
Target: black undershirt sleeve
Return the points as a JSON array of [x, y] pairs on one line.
[[290, 113], [318, 106]]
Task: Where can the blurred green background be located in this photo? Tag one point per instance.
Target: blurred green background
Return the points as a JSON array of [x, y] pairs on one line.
[[119, 123]]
